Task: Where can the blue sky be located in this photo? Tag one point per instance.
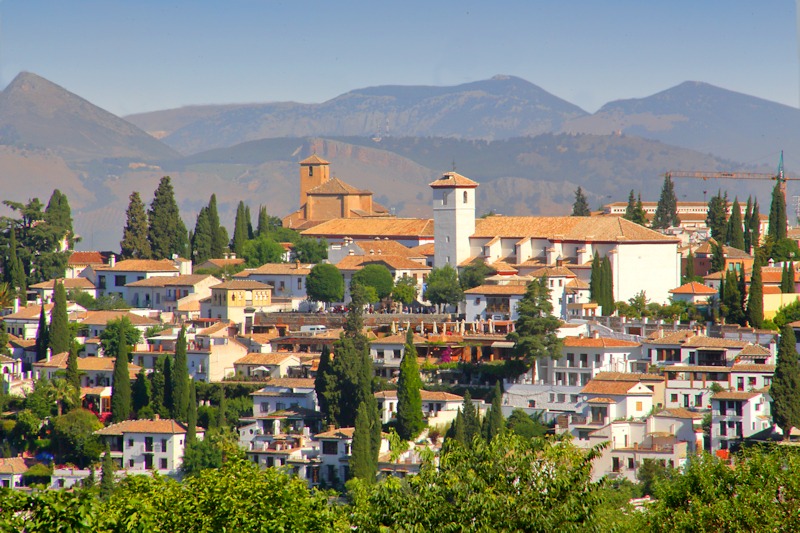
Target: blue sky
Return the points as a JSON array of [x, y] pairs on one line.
[[145, 55]]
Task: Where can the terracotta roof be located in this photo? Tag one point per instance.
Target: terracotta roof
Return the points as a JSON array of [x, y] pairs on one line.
[[372, 227], [341, 433], [141, 265], [693, 288], [577, 284], [679, 412], [392, 262], [618, 388], [751, 367], [13, 465], [29, 312], [498, 289], [583, 229], [696, 368], [553, 272], [86, 258], [314, 159], [294, 383], [602, 342], [222, 263], [101, 318], [427, 396], [399, 338], [771, 289], [453, 179], [336, 186], [277, 269], [168, 426], [256, 358], [242, 285], [728, 251], [734, 395], [627, 376], [216, 328], [669, 337], [424, 249], [386, 247], [6, 359], [69, 283], [600, 400], [701, 341], [86, 364], [754, 350]]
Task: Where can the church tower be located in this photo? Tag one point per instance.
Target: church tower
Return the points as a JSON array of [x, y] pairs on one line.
[[314, 171], [453, 218]]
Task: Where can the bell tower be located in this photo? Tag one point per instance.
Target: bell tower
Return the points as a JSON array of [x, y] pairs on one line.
[[314, 171], [453, 218]]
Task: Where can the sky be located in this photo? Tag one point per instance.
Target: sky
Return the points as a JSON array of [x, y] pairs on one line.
[[129, 57]]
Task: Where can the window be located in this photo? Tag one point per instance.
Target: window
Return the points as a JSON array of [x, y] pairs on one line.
[[119, 281], [330, 447], [162, 463], [698, 400], [561, 398], [630, 463], [163, 445], [444, 199], [310, 171], [265, 407], [101, 282], [466, 197], [477, 301], [299, 283], [531, 403], [282, 285], [673, 398], [638, 406], [130, 443], [130, 463], [552, 397], [397, 354]]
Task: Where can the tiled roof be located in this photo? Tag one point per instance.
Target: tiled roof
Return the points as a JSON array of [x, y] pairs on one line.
[[577, 284], [69, 283], [216, 328], [222, 263], [453, 179], [669, 337], [701, 341], [314, 159], [628, 376], [29, 312], [427, 396], [392, 262], [693, 288], [386, 247], [86, 364], [553, 272], [601, 342], [335, 186], [372, 227], [101, 318], [696, 368], [341, 433], [751, 367], [242, 285], [277, 269], [302, 383], [256, 358], [399, 338], [584, 229], [498, 289], [754, 350], [168, 426], [600, 400], [617, 388], [187, 280], [728, 251], [679, 412], [13, 465], [734, 395], [86, 258], [424, 249], [141, 265]]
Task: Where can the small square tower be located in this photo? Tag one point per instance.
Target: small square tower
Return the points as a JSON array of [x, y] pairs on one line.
[[314, 171], [453, 218]]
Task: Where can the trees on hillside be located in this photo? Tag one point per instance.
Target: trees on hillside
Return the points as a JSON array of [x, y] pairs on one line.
[[666, 215], [377, 277], [580, 208], [134, 244], [777, 214], [735, 232], [180, 379], [601, 284], [717, 217], [110, 336], [59, 334], [261, 250], [634, 211], [755, 297], [474, 274]]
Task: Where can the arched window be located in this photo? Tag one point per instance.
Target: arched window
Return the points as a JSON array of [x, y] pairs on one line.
[[310, 170], [465, 196]]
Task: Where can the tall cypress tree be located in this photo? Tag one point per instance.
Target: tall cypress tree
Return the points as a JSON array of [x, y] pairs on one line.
[[60, 337], [121, 386], [180, 379], [134, 244], [107, 481], [326, 388], [581, 206], [496, 421], [755, 297], [409, 401], [141, 391], [748, 232], [471, 419], [73, 374], [263, 221], [169, 384], [166, 232], [42, 336], [735, 232], [596, 282], [362, 464], [14, 271], [667, 209], [222, 419], [608, 288], [717, 218], [58, 216], [732, 300], [689, 267], [785, 389], [630, 209], [755, 226], [202, 240], [219, 235], [240, 233], [790, 286], [249, 220], [191, 415], [777, 214]]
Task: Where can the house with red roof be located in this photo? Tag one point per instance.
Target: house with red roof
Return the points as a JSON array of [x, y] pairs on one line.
[[694, 293]]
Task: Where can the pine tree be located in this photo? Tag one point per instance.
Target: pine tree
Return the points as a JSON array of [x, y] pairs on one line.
[[42, 336], [107, 482], [640, 216], [362, 465], [409, 402], [471, 419], [169, 384], [73, 374], [630, 209], [141, 391], [755, 298], [496, 421], [748, 232], [219, 235], [60, 336], [667, 209], [134, 244], [222, 420], [58, 216], [581, 206], [121, 385], [717, 218], [202, 240], [608, 304], [735, 232], [689, 267], [180, 379], [166, 232], [240, 232], [785, 389], [191, 415], [777, 215], [326, 388]]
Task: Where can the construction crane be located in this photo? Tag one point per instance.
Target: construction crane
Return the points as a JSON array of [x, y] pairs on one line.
[[780, 177]]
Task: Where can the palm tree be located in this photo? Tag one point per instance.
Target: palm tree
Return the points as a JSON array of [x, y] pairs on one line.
[[64, 395], [6, 295]]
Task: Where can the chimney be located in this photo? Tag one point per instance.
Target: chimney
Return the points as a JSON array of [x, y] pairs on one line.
[[595, 334], [112, 260], [331, 427], [225, 255], [232, 255], [49, 354], [16, 304], [297, 264], [156, 417]]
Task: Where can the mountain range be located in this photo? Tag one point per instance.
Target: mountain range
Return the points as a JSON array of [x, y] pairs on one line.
[[530, 148]]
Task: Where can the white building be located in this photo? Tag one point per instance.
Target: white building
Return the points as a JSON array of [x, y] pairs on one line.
[[737, 415], [113, 277], [274, 365], [433, 404], [335, 450], [387, 354], [169, 293], [453, 218], [11, 471], [288, 281], [285, 393]]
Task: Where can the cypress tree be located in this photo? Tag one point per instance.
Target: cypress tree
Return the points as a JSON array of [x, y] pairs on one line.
[[42, 336], [755, 226], [121, 386], [169, 396], [141, 391], [73, 374], [717, 218], [667, 209], [409, 402], [166, 232], [134, 244], [471, 419], [790, 287], [191, 418], [748, 231], [58, 215], [362, 464], [180, 379], [581, 206], [785, 389], [755, 298], [735, 231], [202, 240], [496, 421], [717, 257], [222, 420], [732, 300], [325, 387], [777, 214], [689, 267], [263, 221], [107, 475], [456, 429], [249, 220], [608, 304], [640, 216], [240, 232], [60, 337], [635, 210], [595, 282], [630, 209], [219, 235], [14, 270], [4, 340]]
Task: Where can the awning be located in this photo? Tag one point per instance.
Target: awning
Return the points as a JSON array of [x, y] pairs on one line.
[[502, 344]]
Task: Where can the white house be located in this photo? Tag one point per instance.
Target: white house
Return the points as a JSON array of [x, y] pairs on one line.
[[335, 451], [387, 353], [95, 322], [237, 301], [94, 371], [213, 352], [433, 403], [113, 277], [694, 293], [285, 393], [288, 281], [45, 289], [274, 364], [147, 445], [11, 471], [737, 415], [603, 402], [168, 293]]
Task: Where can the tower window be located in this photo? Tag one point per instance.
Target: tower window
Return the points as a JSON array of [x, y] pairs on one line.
[[310, 171], [466, 196], [444, 199]]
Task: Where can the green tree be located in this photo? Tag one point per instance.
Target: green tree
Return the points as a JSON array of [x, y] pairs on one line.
[[74, 438], [141, 392], [787, 278], [260, 251], [717, 257], [219, 235], [42, 336], [607, 287], [755, 226], [240, 234], [202, 455], [777, 214], [667, 209], [443, 287], [362, 464], [107, 482], [650, 473], [748, 230], [580, 208], [496, 421], [266, 223], [73, 376], [117, 329], [202, 238], [59, 334], [523, 425], [167, 232], [180, 379], [735, 234], [634, 211], [4, 340], [191, 415], [325, 283], [134, 244], [221, 419], [409, 401], [471, 419], [717, 218], [534, 334], [376, 276], [58, 216], [310, 251], [121, 385], [690, 276], [474, 274], [731, 300], [326, 387], [755, 298], [785, 389], [405, 290], [169, 385], [13, 270]]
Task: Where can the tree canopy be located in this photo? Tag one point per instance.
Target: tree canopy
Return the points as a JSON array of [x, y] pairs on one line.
[[443, 286], [376, 276], [167, 232], [325, 283], [667, 209], [580, 208], [534, 334]]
